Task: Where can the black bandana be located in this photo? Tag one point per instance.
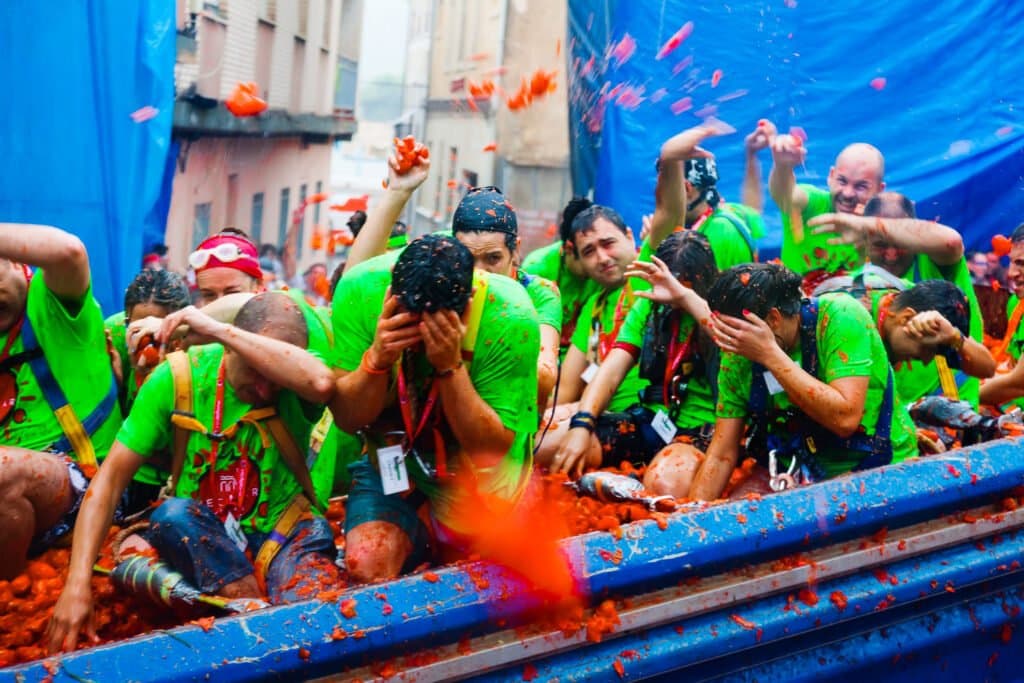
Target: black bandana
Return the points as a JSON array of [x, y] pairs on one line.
[[703, 175], [485, 209]]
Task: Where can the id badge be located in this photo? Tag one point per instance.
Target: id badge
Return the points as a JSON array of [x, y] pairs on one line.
[[664, 426], [234, 532], [590, 373], [773, 384], [393, 474]]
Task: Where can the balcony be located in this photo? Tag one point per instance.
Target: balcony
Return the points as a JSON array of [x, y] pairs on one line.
[[196, 117]]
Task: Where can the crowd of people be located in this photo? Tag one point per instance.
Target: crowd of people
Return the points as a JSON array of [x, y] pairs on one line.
[[427, 370]]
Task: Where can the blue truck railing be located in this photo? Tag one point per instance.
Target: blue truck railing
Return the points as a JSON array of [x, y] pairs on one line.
[[924, 586]]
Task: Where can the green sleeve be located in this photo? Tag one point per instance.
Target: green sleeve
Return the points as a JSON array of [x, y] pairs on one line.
[[147, 429], [50, 315], [634, 325], [734, 382], [504, 367], [544, 295], [844, 338], [353, 320]]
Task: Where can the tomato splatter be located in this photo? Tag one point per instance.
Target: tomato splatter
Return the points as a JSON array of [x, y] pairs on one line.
[[838, 598]]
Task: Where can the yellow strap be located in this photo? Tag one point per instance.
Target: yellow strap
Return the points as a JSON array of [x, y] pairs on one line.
[[286, 524], [319, 435], [476, 313], [79, 439], [1011, 329], [946, 379]]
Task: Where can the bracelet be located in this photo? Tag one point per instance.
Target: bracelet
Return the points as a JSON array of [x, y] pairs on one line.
[[447, 373], [585, 420], [369, 368]]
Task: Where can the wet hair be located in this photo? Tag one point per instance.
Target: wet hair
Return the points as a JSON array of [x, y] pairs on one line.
[[434, 273], [399, 229], [274, 314], [356, 222], [937, 295], [159, 249], [485, 209], [891, 205], [161, 287], [584, 222], [756, 287], [575, 206], [688, 255], [1018, 234], [267, 249], [236, 232]]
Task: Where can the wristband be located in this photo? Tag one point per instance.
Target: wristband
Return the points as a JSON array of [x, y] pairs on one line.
[[447, 373], [369, 368], [585, 420]]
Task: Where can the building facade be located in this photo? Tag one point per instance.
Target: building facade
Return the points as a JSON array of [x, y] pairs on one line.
[[503, 40], [251, 173]]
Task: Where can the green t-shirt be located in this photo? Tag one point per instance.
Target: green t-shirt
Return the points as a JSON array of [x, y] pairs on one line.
[[915, 380], [848, 346], [573, 291], [727, 243], [503, 371], [814, 252], [698, 407], [546, 300], [598, 318], [269, 487], [75, 347]]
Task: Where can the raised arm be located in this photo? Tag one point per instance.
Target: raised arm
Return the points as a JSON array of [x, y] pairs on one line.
[[669, 193], [60, 254], [373, 238], [787, 153], [752, 192], [940, 243]]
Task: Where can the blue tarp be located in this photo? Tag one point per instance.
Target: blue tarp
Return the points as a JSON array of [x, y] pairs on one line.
[[948, 115], [72, 156]]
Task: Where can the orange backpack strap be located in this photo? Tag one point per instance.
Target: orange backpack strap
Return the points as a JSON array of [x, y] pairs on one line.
[[1011, 329]]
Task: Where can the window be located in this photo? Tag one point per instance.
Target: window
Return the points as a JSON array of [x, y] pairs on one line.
[[345, 82], [232, 217], [282, 221], [302, 224], [256, 229], [201, 224], [298, 67], [264, 51]]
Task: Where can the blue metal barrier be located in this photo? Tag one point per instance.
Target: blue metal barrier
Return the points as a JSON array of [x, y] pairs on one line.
[[296, 640]]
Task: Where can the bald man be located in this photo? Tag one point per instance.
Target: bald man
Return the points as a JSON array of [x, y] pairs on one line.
[[240, 482], [856, 177]]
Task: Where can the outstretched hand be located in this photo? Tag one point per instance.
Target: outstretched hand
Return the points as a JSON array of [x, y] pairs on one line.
[[788, 151], [665, 288], [845, 228]]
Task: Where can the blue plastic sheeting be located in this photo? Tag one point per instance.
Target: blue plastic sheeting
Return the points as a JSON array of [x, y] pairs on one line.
[[945, 118], [425, 613], [72, 155]]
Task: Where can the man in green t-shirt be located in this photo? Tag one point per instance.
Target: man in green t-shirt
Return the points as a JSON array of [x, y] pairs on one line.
[[558, 263], [439, 373], [255, 393], [57, 389], [660, 336], [894, 239], [732, 229], [604, 245], [486, 224], [856, 177], [810, 377]]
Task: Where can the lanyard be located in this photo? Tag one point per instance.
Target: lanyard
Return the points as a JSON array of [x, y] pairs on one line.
[[703, 217], [412, 433], [677, 351], [218, 418], [622, 306]]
